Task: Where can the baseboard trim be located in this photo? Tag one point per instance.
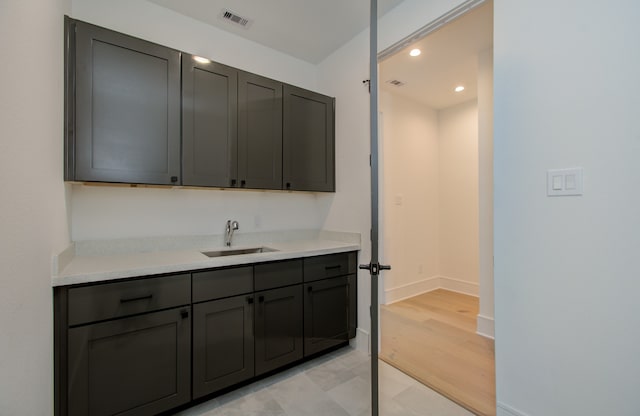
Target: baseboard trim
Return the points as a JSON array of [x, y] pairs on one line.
[[412, 289], [460, 286], [506, 410], [419, 287], [361, 341], [485, 327]]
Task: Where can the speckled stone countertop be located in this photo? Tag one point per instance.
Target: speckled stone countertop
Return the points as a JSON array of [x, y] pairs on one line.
[[96, 261]]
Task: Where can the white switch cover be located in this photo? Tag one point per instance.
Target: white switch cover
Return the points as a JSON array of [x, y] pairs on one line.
[[564, 182]]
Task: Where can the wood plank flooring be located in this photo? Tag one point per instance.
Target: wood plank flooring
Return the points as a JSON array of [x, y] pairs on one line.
[[432, 337]]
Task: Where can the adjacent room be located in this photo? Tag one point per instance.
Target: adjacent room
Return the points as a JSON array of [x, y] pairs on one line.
[[436, 126]]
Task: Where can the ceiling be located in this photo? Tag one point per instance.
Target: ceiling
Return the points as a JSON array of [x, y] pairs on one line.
[[449, 58], [307, 29]]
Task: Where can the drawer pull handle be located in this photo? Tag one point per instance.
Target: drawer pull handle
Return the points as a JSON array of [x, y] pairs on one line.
[[146, 297], [337, 266]]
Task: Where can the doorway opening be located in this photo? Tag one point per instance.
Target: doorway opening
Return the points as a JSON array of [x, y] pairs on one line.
[[436, 224]]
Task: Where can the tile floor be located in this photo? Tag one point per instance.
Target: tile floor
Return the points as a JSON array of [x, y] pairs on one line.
[[336, 384]]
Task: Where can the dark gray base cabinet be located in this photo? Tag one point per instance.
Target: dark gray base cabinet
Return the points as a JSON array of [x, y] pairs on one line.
[[222, 344], [278, 328], [326, 314], [123, 347], [146, 346], [131, 366], [330, 302]]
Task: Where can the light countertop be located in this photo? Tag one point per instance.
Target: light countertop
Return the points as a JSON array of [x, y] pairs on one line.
[[95, 261]]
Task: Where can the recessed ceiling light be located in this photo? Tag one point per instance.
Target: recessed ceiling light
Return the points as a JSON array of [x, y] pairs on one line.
[[459, 88], [201, 59], [415, 52]]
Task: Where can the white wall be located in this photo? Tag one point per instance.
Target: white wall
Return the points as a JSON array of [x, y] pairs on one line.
[[429, 193], [458, 194], [33, 222], [151, 22], [117, 212], [411, 195], [566, 268], [485, 192], [341, 75]]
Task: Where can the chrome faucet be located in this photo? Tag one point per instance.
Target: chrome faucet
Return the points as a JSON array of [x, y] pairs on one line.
[[231, 227]]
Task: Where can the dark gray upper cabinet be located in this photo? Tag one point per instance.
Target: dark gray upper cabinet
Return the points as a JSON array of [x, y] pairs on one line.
[[209, 123], [123, 124], [308, 141], [259, 132], [138, 112]]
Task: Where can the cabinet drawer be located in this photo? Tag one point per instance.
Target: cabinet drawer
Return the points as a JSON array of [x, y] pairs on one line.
[[322, 267], [273, 275], [113, 300], [222, 283]]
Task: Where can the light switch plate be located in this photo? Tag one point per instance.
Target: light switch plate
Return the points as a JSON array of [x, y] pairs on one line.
[[564, 182]]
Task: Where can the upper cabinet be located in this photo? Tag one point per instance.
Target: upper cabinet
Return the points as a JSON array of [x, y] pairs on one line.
[[123, 122], [141, 113], [259, 132], [209, 123], [308, 141]]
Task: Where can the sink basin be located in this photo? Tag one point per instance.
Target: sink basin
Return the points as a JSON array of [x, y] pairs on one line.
[[238, 251]]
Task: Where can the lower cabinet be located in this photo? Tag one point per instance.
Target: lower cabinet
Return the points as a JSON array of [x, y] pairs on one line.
[[278, 328], [222, 344], [144, 346], [130, 366], [326, 314]]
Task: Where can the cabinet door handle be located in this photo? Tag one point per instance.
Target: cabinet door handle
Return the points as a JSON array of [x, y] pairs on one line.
[[174, 179], [243, 183], [184, 314], [260, 299], [249, 299], [310, 289], [145, 297], [337, 266], [288, 185], [233, 182]]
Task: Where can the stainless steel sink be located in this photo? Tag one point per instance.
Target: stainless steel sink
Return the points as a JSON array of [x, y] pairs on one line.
[[238, 251]]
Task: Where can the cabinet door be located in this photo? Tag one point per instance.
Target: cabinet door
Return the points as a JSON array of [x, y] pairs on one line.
[[353, 304], [127, 109], [222, 344], [308, 141], [326, 314], [259, 132], [279, 328], [209, 123], [130, 366]]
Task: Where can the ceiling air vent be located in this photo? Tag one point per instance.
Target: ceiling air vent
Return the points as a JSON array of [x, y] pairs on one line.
[[235, 19], [395, 83]]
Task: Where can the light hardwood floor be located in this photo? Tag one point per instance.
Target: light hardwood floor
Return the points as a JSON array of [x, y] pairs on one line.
[[432, 337]]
